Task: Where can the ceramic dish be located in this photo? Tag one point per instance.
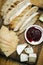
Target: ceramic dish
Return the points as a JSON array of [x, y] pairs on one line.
[[35, 42]]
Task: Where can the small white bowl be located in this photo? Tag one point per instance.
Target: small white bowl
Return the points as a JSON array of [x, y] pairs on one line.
[[34, 42]]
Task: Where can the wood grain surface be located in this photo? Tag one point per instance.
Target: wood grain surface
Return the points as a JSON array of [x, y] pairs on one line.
[[37, 2], [3, 61], [40, 60], [38, 49]]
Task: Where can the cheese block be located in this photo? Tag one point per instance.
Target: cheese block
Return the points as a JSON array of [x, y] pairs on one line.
[[23, 57], [32, 57], [8, 41]]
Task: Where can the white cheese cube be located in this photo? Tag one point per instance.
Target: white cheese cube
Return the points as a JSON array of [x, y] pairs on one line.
[[32, 57], [23, 57]]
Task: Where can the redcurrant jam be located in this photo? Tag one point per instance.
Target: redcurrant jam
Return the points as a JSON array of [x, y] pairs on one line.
[[33, 34]]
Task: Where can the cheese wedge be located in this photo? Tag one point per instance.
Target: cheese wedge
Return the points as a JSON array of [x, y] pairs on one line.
[[29, 50], [20, 48]]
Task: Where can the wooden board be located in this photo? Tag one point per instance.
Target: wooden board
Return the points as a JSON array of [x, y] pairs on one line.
[[37, 48], [37, 2]]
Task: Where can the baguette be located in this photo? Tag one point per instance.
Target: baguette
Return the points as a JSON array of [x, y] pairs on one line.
[[13, 5], [21, 6], [8, 5], [16, 11], [27, 14], [31, 22], [18, 19], [28, 20]]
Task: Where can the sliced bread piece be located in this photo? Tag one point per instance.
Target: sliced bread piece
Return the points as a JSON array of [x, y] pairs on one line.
[[16, 11]]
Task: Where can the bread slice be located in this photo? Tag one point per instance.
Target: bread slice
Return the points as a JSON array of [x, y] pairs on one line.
[[26, 15], [16, 11], [8, 5], [31, 22], [28, 20], [17, 20]]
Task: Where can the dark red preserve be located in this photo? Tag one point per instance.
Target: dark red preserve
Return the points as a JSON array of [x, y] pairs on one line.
[[33, 34]]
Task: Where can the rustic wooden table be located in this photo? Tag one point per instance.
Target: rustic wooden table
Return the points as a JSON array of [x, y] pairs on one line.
[[4, 61]]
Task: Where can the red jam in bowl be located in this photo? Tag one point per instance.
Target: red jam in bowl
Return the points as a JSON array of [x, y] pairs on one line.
[[33, 34]]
